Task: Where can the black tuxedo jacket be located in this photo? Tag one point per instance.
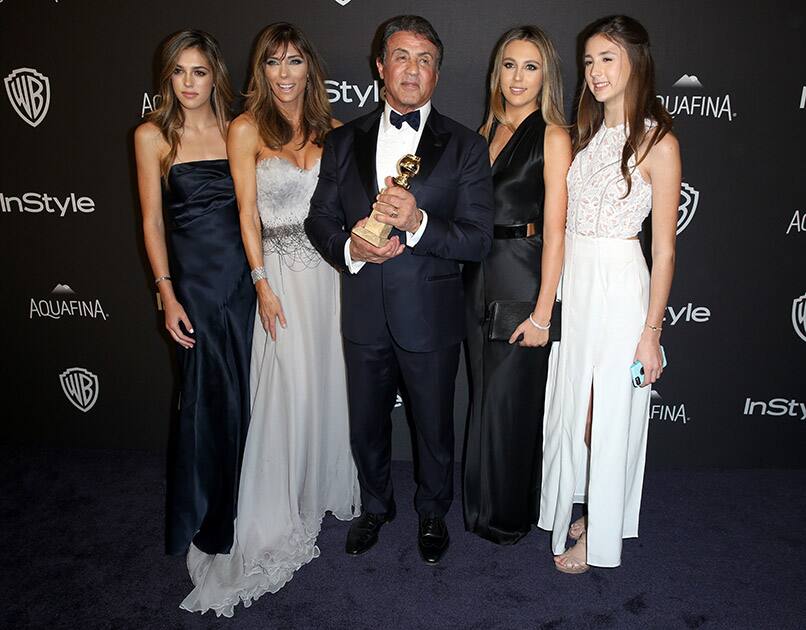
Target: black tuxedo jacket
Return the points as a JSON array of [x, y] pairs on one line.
[[417, 295]]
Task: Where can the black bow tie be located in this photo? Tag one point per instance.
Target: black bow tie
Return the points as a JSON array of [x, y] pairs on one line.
[[413, 118]]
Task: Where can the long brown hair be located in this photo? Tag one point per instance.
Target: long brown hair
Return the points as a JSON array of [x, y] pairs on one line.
[[169, 115], [274, 128], [550, 99], [640, 102]]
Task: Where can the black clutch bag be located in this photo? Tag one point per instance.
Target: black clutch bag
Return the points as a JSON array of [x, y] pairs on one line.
[[506, 315]]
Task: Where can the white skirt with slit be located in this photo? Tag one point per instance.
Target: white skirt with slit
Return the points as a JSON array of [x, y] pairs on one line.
[[605, 295]]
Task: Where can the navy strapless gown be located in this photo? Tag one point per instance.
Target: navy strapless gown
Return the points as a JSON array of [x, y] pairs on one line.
[[211, 280]]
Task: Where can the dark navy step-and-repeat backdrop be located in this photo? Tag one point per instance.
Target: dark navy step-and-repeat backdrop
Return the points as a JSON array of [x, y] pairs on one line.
[[85, 362]]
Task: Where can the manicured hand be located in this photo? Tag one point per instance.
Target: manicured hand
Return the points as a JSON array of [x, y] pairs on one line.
[[174, 315], [648, 353], [532, 337], [270, 310]]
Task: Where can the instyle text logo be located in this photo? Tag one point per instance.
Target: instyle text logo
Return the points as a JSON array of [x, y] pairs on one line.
[[687, 314], [343, 92], [798, 222], [337, 92], [43, 203], [686, 103], [665, 411], [791, 408], [689, 199], [799, 316], [64, 303], [80, 386], [29, 93]]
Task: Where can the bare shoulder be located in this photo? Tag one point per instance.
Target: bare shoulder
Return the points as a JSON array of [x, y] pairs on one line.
[[243, 127], [148, 139], [666, 150], [147, 130], [243, 136], [662, 164], [147, 133], [335, 123], [557, 137]]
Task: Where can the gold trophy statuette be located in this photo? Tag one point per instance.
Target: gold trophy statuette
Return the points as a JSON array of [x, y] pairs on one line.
[[374, 231]]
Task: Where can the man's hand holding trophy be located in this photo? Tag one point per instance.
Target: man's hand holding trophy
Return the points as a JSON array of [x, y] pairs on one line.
[[396, 207]]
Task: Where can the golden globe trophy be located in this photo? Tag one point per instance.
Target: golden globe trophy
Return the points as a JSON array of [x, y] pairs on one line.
[[374, 231]]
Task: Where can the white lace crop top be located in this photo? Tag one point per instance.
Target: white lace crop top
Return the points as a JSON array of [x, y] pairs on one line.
[[596, 203]]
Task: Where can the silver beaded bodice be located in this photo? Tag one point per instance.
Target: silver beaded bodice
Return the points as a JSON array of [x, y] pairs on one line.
[[283, 197]]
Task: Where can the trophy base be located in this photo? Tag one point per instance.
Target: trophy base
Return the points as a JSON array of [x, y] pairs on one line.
[[373, 238]]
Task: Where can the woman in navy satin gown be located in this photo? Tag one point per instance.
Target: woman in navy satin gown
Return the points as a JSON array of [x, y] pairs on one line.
[[192, 236]]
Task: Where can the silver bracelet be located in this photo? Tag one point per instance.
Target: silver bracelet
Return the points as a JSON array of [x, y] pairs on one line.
[[161, 278], [258, 274], [538, 326]]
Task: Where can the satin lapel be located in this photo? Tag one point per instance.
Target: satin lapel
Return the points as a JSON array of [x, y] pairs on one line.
[[365, 143], [432, 144]]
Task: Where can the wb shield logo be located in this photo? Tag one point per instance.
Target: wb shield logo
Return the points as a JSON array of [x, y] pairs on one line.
[[80, 386], [688, 206], [29, 94], [799, 316]]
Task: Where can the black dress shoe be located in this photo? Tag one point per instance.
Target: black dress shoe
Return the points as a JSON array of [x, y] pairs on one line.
[[432, 539], [363, 532]]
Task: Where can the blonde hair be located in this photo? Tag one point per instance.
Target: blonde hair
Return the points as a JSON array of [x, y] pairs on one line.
[[550, 99], [169, 115]]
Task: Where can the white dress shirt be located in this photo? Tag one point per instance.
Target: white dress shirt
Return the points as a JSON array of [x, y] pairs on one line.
[[393, 144]]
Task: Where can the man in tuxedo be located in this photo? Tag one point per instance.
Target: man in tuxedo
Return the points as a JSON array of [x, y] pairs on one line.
[[402, 304]]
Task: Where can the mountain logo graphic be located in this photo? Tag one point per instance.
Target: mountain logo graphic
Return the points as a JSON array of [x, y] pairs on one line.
[[687, 81]]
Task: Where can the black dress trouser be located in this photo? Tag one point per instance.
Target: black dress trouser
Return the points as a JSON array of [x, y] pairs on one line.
[[374, 372]]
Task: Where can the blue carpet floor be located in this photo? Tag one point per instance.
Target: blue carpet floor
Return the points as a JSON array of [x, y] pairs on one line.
[[82, 532]]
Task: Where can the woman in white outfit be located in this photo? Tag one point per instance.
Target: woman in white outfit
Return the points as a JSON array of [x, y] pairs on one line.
[[297, 461], [626, 163]]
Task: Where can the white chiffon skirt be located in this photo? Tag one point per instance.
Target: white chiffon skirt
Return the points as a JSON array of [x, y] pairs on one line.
[[605, 295], [297, 461]]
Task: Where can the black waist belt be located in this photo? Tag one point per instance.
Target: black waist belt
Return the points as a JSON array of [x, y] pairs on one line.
[[514, 231]]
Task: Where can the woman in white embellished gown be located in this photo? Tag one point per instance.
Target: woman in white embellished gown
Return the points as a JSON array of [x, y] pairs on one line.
[[297, 462], [612, 310]]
